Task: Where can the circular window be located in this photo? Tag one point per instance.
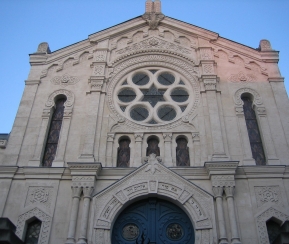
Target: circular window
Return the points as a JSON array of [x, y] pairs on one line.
[[167, 113], [179, 95], [166, 79], [140, 79], [139, 113], [130, 232], [153, 96], [174, 232], [126, 95]]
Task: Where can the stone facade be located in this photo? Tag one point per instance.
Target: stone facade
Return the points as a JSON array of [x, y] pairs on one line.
[[227, 197]]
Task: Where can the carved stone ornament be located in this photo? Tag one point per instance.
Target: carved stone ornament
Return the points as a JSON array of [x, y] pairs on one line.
[[39, 196], [100, 56], [69, 95], [154, 43], [45, 226], [261, 222], [208, 69], [206, 54], [265, 45], [3, 143], [268, 194], [98, 70], [152, 163], [241, 77], [163, 182], [153, 19], [65, 80], [223, 180], [210, 84], [183, 67], [256, 97]]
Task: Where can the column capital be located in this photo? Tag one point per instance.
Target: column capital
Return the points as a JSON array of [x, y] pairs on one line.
[[76, 191], [229, 190], [138, 137], [167, 137], [218, 191], [87, 191]]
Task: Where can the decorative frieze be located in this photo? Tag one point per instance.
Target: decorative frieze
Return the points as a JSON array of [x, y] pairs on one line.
[[206, 54], [268, 194], [241, 77], [98, 69], [100, 56], [65, 80], [223, 180]]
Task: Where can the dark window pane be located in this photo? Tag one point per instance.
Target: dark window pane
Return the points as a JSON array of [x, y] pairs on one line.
[[253, 132], [153, 147], [139, 113], [126, 95], [179, 95], [53, 133], [182, 153], [33, 232], [273, 230], [140, 79], [166, 79], [167, 113], [123, 155]]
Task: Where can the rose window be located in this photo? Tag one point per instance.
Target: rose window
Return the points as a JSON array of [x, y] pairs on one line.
[[153, 96]]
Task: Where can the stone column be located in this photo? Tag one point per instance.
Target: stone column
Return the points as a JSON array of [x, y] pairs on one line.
[[87, 191], [59, 157], [247, 152], [196, 149], [138, 150], [267, 135], [109, 147], [218, 192], [73, 216], [168, 161], [229, 190], [209, 79]]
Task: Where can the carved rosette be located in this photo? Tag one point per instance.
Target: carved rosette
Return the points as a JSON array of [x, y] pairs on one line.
[[65, 80]]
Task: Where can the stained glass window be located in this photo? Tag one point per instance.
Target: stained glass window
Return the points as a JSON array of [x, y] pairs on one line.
[[33, 232], [253, 132], [53, 133], [182, 152], [123, 155], [153, 147]]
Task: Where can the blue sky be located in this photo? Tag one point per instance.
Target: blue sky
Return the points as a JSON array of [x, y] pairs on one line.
[[26, 23]]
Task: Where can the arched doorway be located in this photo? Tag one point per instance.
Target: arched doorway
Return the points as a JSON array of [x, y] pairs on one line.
[[153, 221]]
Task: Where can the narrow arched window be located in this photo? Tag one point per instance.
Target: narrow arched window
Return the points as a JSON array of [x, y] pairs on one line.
[[273, 230], [53, 133], [153, 147], [33, 232], [253, 132], [182, 152], [123, 153]]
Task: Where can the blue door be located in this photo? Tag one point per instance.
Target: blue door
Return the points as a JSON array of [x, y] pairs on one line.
[[153, 221]]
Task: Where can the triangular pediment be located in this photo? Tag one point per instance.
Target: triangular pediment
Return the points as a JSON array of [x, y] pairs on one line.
[[153, 179]]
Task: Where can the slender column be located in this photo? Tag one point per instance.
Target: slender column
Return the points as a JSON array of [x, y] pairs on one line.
[[218, 192], [87, 191], [59, 157], [267, 135], [168, 149], [138, 150], [196, 149], [73, 216], [109, 147], [247, 152], [235, 239], [36, 160]]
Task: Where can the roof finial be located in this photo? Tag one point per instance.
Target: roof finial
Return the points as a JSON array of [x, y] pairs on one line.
[[153, 14]]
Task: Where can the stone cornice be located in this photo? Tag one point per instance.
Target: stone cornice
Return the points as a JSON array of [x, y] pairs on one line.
[[32, 82], [221, 168], [88, 169], [7, 172], [42, 173], [276, 79]]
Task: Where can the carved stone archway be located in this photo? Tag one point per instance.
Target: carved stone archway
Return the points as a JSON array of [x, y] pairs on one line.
[[153, 179]]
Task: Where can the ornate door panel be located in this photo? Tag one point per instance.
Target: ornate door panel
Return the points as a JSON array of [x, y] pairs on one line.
[[153, 221]]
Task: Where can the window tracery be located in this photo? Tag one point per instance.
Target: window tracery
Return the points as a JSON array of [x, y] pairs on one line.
[[33, 232]]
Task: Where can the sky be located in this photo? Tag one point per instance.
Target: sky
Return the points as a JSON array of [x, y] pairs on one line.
[[26, 23]]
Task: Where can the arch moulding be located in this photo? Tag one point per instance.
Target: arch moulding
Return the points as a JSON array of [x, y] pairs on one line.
[[153, 180]]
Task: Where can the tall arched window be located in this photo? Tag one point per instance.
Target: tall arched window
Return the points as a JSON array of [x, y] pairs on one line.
[[123, 153], [253, 131], [182, 152], [33, 232], [153, 147], [53, 133]]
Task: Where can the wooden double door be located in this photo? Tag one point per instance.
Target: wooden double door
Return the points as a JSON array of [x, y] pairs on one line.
[[153, 221]]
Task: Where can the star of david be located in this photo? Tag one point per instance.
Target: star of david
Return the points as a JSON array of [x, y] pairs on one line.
[[153, 95]]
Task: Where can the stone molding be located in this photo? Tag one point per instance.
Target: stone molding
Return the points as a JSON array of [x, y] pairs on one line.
[[96, 83], [264, 216], [220, 168], [145, 181], [237, 97], [69, 95], [32, 82], [84, 170], [45, 218]]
